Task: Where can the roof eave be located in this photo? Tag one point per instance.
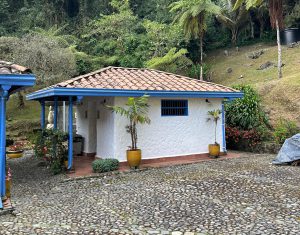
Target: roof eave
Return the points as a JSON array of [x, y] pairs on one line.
[[17, 79], [92, 92]]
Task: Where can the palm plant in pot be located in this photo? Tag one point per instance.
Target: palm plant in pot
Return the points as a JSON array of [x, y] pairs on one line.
[[136, 112], [214, 149]]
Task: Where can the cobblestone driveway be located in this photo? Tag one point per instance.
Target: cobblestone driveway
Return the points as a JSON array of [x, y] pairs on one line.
[[238, 196]]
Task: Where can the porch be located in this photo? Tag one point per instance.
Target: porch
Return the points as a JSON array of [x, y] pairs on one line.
[[83, 168]]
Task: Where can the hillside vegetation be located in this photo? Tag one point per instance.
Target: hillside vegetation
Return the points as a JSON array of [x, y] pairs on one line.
[[281, 97], [62, 39]]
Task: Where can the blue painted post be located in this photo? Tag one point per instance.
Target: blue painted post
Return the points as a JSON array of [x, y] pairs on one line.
[[70, 149], [3, 99], [2, 182], [42, 114], [55, 112], [223, 128]]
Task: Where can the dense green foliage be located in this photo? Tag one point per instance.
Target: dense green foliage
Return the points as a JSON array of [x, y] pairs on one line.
[[51, 61], [285, 129], [62, 38], [247, 112], [247, 123], [105, 165], [51, 145]]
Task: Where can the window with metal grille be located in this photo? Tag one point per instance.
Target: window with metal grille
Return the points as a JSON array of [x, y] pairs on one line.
[[174, 108]]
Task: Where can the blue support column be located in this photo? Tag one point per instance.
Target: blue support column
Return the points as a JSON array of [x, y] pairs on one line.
[[3, 98], [43, 110], [223, 128], [55, 112], [70, 149], [1, 157]]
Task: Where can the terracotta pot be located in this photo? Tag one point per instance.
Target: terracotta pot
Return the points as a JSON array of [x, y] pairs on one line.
[[134, 158], [14, 154], [214, 150]]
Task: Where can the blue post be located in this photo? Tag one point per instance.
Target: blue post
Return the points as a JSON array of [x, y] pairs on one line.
[[2, 182], [42, 114], [70, 149], [1, 157], [55, 112], [223, 128], [3, 99]]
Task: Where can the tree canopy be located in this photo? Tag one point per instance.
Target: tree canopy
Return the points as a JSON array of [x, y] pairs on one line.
[[84, 35]]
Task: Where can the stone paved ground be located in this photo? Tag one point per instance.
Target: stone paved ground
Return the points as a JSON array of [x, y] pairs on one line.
[[238, 196]]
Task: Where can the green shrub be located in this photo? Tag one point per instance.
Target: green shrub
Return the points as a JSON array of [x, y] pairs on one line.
[[285, 129], [51, 145], [246, 113], [247, 123], [56, 167], [105, 165]]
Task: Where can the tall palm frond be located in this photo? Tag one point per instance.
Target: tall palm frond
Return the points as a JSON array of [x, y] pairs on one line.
[[191, 16]]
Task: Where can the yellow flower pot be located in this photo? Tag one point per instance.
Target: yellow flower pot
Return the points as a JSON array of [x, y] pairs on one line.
[[14, 154], [8, 188], [214, 150], [66, 163], [134, 157]]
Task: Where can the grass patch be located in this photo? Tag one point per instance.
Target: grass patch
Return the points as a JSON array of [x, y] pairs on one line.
[[21, 122], [280, 97]]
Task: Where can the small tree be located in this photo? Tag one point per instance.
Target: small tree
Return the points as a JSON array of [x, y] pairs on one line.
[[235, 21], [136, 113], [191, 16], [215, 116], [276, 19]]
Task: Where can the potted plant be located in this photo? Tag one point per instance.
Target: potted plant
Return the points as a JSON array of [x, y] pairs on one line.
[[8, 183], [136, 112], [214, 149], [15, 151]]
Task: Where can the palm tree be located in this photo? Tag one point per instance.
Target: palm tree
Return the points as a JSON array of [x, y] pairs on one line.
[[191, 15], [215, 116], [276, 19], [234, 20], [136, 112]]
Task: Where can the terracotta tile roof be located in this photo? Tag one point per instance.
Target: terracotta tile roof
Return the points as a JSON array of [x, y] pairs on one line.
[[140, 79], [10, 68]]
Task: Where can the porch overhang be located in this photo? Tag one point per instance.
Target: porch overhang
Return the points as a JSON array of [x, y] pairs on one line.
[[9, 84], [16, 82], [50, 93]]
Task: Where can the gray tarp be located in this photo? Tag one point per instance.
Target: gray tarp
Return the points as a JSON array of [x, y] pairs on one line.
[[290, 150]]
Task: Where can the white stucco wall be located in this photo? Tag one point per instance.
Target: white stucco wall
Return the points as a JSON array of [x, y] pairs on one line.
[[166, 136], [86, 115], [105, 128], [169, 135]]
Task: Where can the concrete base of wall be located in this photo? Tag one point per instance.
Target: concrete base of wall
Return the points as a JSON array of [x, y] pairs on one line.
[[177, 159], [88, 154]]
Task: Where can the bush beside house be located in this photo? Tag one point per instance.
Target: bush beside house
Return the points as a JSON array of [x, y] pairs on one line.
[[247, 123], [248, 127], [51, 146], [105, 165]]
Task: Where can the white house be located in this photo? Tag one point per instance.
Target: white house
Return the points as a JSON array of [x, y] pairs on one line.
[[178, 111]]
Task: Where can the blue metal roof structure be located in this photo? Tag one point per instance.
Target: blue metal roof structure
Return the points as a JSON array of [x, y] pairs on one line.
[[9, 83]]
